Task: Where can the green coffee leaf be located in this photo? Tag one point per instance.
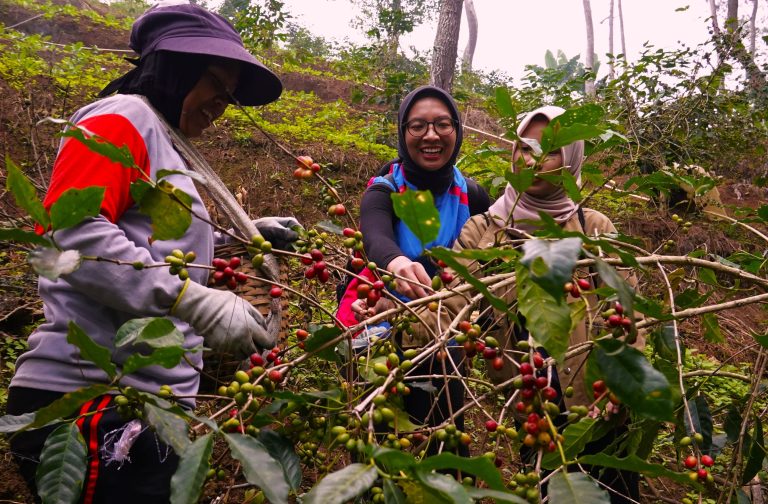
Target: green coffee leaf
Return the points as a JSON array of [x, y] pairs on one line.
[[417, 210], [520, 180], [577, 435], [392, 460], [580, 123], [392, 493], [167, 208], [21, 236], [756, 455], [445, 485], [547, 319], [504, 103], [479, 466], [171, 428], [156, 332], [632, 378], [167, 357], [576, 488], [67, 404], [101, 146], [283, 452], [319, 338], [188, 480], [13, 423], [712, 333], [343, 485], [25, 194], [90, 350], [635, 464], [551, 262], [494, 495], [74, 205], [259, 467], [61, 472]]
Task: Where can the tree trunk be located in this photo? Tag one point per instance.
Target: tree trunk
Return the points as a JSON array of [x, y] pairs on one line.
[[393, 38], [589, 84], [752, 28], [621, 30], [610, 42], [469, 51], [713, 16], [446, 44]]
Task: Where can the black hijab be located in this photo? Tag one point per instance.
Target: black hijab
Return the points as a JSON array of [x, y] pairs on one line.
[[165, 78], [436, 181]]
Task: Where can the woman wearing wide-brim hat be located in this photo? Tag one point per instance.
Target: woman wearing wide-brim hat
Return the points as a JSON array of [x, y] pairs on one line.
[[191, 66]]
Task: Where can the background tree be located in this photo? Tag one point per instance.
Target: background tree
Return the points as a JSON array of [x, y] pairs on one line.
[[589, 84], [388, 20], [446, 44], [469, 51]]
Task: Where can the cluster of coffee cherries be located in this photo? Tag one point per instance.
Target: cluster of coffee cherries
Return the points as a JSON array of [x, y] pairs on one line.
[[316, 266], [576, 287], [616, 320], [382, 367], [301, 337], [178, 261], [601, 391], [488, 347], [698, 466], [684, 225], [311, 239], [450, 436], [243, 386], [443, 277], [225, 273], [497, 430], [128, 404], [353, 240], [330, 198], [306, 167], [371, 292], [526, 486], [259, 246]]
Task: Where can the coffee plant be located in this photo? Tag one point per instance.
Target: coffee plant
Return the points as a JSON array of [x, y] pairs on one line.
[[313, 420], [311, 405]]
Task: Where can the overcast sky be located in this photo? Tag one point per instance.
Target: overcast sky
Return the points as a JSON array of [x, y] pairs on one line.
[[514, 33]]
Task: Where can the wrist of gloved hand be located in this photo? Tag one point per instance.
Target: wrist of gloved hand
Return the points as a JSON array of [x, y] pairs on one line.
[[226, 322], [280, 231]]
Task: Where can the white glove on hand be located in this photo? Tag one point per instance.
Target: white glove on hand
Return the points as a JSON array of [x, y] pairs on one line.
[[278, 230], [226, 322]]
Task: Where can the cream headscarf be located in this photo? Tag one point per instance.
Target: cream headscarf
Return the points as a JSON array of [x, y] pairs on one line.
[[557, 204]]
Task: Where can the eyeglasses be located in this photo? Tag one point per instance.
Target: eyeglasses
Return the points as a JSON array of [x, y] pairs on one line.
[[443, 126]]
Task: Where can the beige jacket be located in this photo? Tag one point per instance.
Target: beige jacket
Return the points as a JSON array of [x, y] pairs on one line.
[[481, 232]]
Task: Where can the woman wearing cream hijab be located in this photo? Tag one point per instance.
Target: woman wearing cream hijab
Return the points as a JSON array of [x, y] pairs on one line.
[[515, 216]]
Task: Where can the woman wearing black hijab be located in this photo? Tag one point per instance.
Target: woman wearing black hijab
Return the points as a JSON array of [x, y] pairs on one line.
[[429, 140]]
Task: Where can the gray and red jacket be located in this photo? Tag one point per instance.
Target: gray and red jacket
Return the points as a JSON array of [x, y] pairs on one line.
[[101, 296]]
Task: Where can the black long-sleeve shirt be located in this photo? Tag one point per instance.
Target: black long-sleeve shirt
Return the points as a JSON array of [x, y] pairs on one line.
[[378, 220]]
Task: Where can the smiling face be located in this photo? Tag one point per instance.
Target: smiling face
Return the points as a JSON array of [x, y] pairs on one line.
[[430, 151], [209, 98], [551, 164]]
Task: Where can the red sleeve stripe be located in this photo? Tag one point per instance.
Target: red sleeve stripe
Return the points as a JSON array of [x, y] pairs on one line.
[[92, 438], [77, 167]]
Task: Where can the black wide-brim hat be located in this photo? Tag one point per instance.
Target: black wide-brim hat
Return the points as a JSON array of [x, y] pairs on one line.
[[190, 29]]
